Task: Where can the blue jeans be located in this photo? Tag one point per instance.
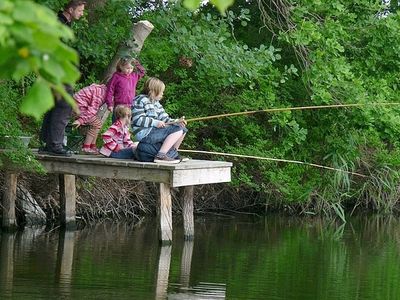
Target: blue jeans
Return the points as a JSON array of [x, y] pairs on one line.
[[158, 135], [147, 152], [126, 153]]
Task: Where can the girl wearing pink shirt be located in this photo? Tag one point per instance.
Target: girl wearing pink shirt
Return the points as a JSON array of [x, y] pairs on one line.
[[122, 86], [117, 140], [89, 100]]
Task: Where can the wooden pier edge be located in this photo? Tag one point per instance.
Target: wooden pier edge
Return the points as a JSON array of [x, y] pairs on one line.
[[184, 175]]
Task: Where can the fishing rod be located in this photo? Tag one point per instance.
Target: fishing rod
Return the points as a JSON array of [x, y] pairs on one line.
[[273, 110], [274, 159]]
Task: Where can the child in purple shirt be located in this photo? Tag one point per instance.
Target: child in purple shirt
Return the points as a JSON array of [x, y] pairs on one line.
[[122, 86]]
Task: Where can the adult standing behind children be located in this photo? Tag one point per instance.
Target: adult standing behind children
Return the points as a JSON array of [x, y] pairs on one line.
[[121, 88], [55, 120]]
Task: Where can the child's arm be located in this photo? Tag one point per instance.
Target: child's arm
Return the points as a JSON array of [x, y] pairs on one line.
[[141, 113], [140, 71], [108, 139], [163, 115], [110, 92], [127, 139]]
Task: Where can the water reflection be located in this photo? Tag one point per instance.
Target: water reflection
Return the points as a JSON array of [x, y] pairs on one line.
[[7, 264], [234, 258], [65, 258]]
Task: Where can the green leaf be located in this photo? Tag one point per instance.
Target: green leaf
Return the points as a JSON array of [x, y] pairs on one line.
[[38, 100], [6, 5], [26, 12], [71, 72], [61, 89], [54, 69], [5, 19], [45, 42], [21, 33], [64, 52], [222, 5], [22, 69], [191, 4]]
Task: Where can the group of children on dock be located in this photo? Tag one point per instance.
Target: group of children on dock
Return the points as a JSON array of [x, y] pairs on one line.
[[157, 136]]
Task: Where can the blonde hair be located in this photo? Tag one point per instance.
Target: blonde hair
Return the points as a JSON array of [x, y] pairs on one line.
[[153, 87], [123, 61], [122, 111]]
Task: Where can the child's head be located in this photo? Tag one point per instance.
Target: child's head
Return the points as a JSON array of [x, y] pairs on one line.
[[123, 113], [154, 88], [124, 65]]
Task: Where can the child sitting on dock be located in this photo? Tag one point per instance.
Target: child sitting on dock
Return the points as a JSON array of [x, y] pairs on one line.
[[117, 140], [89, 100], [152, 125], [121, 88]]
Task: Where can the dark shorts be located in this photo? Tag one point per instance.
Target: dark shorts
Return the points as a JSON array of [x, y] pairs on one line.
[[158, 135]]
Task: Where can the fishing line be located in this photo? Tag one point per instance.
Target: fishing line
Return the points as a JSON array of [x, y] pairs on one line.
[[274, 159], [273, 110]]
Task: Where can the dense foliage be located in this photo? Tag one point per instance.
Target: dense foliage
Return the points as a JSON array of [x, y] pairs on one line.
[[291, 53]]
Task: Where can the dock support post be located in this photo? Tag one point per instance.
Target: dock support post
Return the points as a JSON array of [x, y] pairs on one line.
[[67, 199], [10, 194], [187, 211], [165, 213]]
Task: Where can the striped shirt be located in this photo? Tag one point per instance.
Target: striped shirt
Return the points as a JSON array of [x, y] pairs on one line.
[[146, 115], [89, 100], [116, 138]]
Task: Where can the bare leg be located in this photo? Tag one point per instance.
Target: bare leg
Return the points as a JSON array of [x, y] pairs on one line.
[[170, 141], [179, 142]]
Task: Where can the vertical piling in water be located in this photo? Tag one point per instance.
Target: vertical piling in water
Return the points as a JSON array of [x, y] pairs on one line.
[[9, 221], [165, 213], [67, 201]]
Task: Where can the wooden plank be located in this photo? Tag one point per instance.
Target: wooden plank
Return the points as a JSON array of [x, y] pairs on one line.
[[67, 199], [201, 176], [108, 171], [187, 211], [165, 213], [10, 194]]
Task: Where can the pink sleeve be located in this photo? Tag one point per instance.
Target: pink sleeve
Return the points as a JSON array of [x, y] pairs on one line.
[[109, 138], [110, 91], [140, 71], [89, 100]]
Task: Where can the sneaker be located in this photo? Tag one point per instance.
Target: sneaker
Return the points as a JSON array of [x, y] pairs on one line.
[[42, 150], [183, 158], [166, 159], [58, 152]]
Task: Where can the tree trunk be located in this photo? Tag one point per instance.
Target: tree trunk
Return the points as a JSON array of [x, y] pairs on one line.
[[140, 31]]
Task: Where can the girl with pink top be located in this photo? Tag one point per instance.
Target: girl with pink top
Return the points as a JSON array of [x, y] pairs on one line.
[[117, 140], [89, 100], [121, 88]]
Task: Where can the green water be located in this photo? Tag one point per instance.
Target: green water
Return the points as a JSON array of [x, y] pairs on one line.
[[230, 258]]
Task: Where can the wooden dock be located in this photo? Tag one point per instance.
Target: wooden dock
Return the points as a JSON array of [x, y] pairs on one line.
[[185, 174]]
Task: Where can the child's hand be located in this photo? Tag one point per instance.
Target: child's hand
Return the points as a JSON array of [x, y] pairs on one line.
[[182, 121], [76, 124], [161, 124], [110, 108]]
